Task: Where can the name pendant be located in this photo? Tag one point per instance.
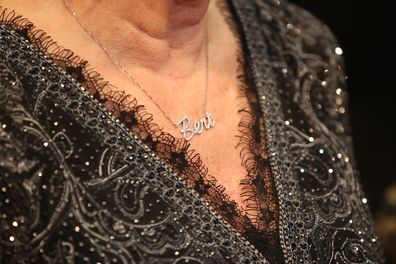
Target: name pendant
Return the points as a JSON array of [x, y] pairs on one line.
[[198, 127]]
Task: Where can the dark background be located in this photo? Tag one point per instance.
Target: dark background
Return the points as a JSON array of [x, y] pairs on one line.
[[360, 27]]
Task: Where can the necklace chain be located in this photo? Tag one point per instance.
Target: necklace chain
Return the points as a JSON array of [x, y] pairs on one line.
[[206, 122]]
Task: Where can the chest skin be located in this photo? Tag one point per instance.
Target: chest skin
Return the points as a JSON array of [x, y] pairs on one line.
[[217, 147]]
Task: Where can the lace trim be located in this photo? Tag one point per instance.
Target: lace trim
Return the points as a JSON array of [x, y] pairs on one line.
[[258, 187]]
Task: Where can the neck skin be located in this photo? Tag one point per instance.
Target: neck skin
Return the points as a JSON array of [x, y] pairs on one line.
[[165, 36]]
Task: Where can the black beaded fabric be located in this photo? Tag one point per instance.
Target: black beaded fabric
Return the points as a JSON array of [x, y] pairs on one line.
[[87, 177]]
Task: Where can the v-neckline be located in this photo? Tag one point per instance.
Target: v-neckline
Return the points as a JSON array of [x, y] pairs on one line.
[[228, 206]]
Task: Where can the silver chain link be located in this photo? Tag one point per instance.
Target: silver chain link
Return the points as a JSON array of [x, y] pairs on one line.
[[121, 67]]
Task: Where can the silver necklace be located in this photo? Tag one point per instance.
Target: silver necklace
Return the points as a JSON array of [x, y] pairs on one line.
[[189, 129]]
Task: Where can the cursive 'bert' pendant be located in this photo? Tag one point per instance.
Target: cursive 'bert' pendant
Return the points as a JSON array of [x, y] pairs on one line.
[[198, 127]]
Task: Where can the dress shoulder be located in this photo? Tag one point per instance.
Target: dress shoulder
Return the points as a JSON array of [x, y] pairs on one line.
[[314, 57], [308, 102]]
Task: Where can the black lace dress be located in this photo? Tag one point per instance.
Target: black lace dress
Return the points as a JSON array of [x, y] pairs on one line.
[[86, 176]]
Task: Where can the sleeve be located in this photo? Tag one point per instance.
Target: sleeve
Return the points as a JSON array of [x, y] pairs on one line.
[[322, 55]]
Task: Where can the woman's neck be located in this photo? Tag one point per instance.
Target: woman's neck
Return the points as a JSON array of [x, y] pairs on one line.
[[153, 34]]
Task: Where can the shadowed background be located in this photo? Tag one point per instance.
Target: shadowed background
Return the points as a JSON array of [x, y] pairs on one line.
[[360, 27]]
